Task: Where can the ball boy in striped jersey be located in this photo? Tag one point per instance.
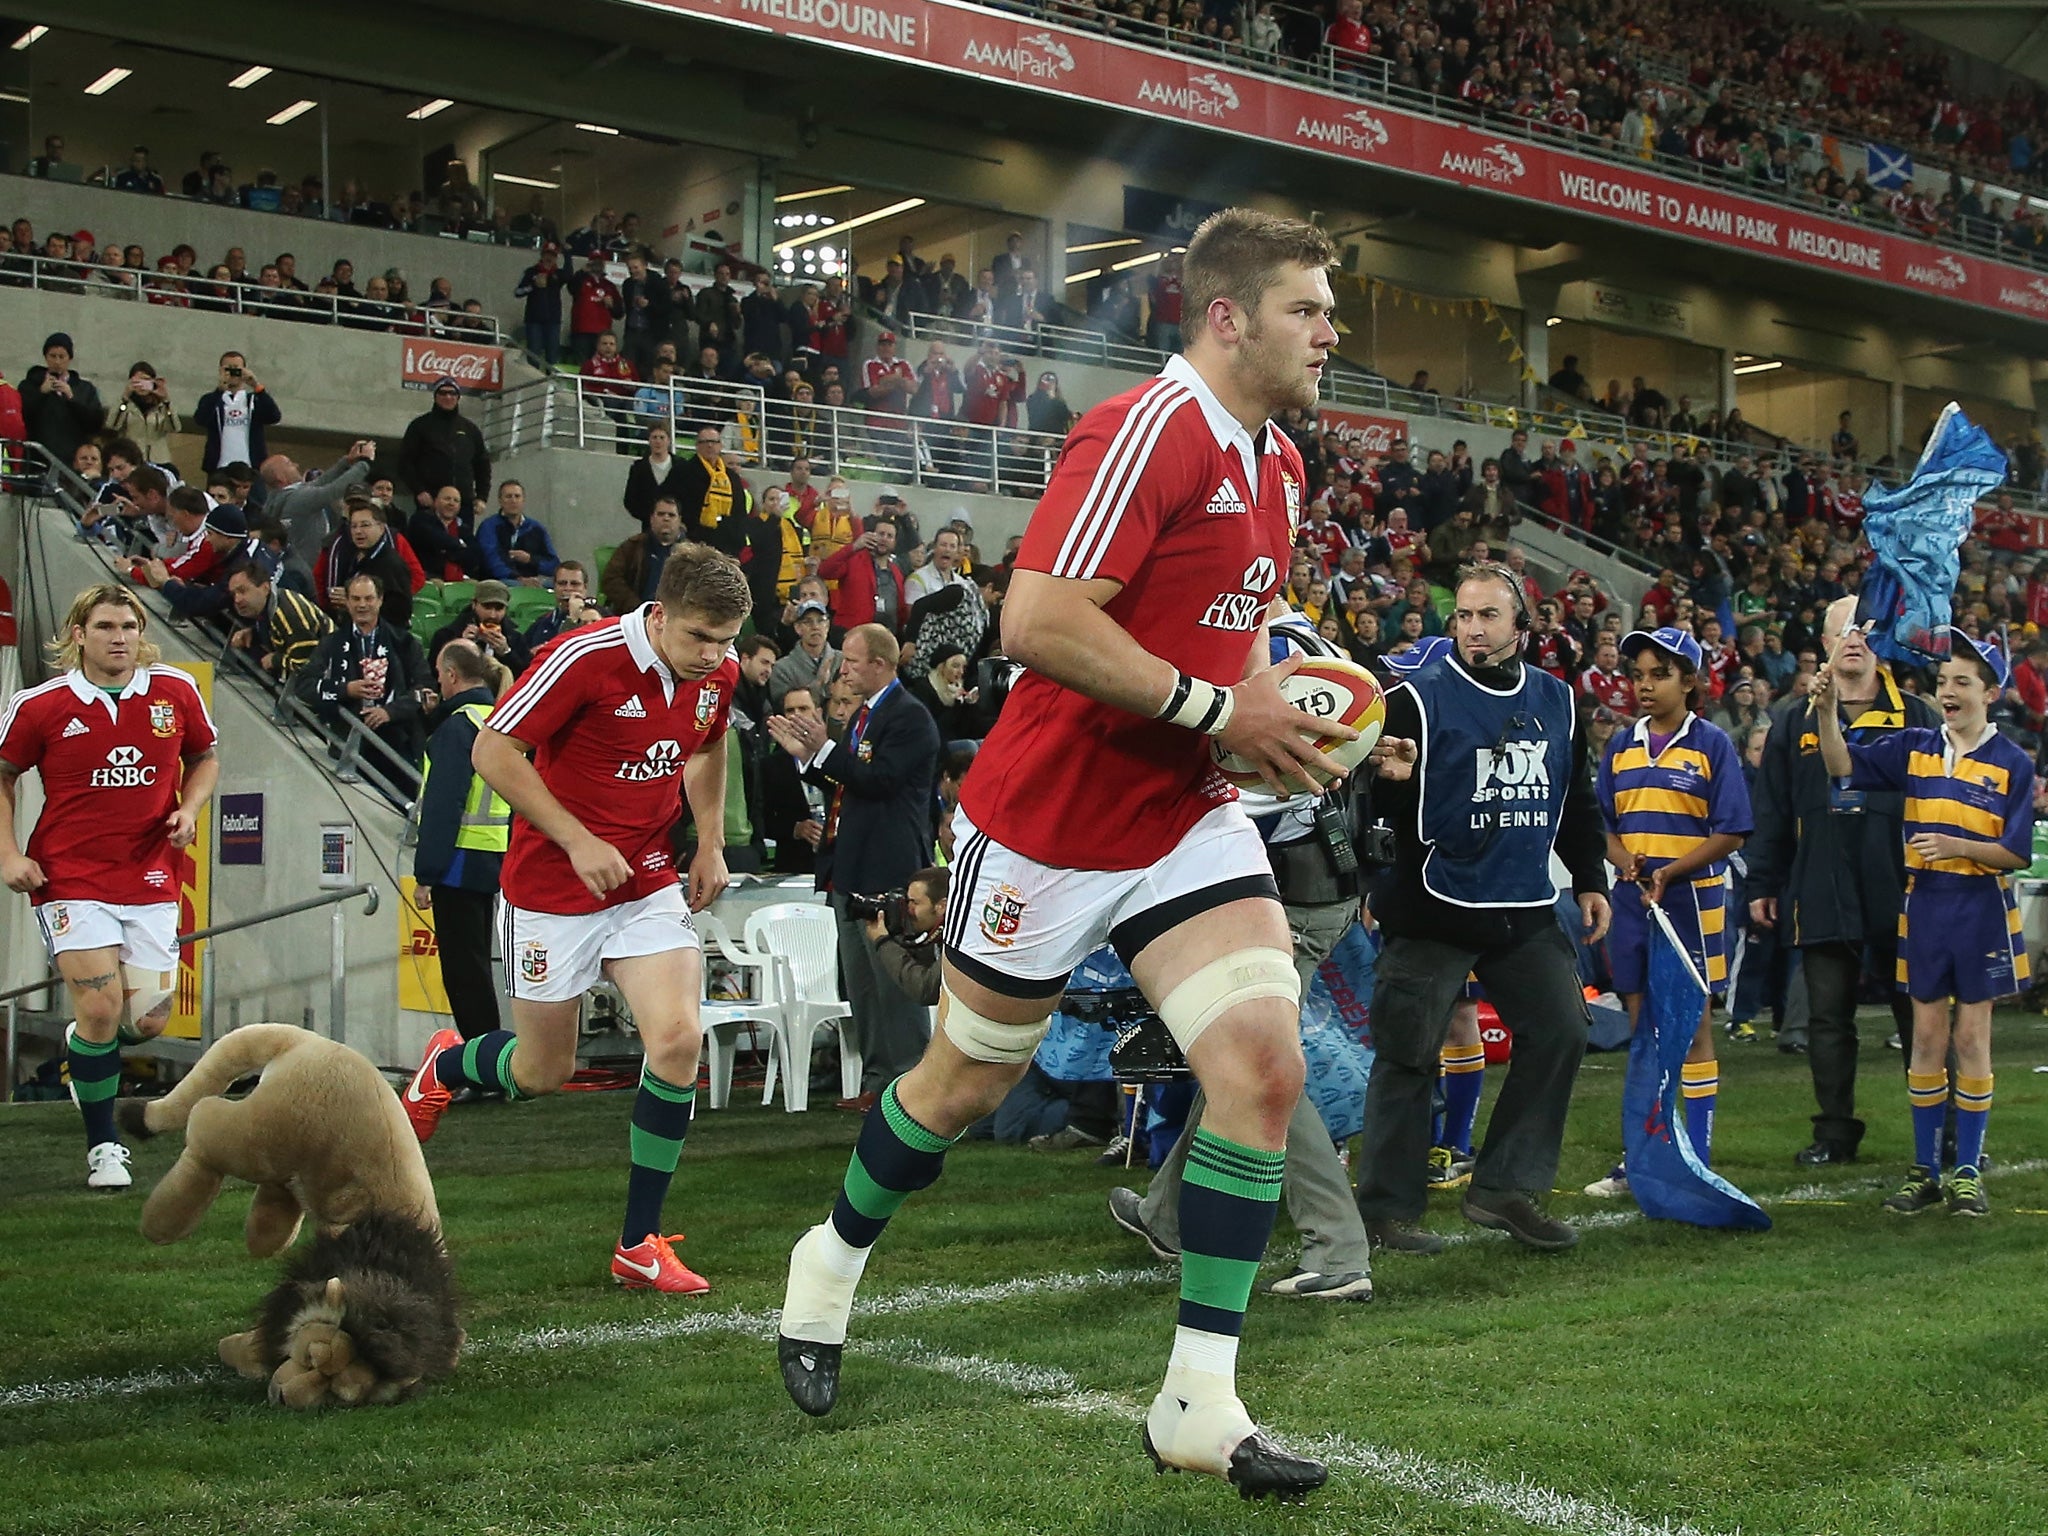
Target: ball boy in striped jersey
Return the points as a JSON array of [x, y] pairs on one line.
[[1676, 805], [1969, 824]]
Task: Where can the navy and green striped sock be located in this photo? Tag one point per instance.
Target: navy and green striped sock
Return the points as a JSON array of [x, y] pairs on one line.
[[893, 1159], [1228, 1195], [661, 1118], [484, 1063], [96, 1079]]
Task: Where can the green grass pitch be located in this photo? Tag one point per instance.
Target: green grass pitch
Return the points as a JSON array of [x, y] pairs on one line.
[[1850, 1372]]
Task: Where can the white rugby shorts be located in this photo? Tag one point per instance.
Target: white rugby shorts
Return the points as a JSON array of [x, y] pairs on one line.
[[146, 933], [1020, 927], [553, 957]]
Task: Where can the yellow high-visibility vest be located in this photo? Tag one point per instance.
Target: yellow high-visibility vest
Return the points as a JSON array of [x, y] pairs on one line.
[[486, 824]]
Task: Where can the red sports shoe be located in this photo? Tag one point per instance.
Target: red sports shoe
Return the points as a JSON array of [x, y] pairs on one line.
[[426, 1101], [652, 1265]]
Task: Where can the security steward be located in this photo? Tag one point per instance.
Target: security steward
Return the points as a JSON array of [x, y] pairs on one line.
[[1500, 780], [1309, 844], [1827, 869], [464, 829]]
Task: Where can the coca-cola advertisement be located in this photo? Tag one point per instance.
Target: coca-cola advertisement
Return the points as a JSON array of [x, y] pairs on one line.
[[1363, 433], [425, 360]]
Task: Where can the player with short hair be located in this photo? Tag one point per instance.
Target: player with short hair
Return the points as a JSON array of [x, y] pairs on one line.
[[1094, 813], [588, 748], [1969, 823], [1676, 806], [125, 749]]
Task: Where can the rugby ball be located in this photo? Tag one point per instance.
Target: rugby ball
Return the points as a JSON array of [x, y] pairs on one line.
[[1329, 689]]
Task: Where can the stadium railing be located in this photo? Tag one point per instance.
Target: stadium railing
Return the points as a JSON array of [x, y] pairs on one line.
[[133, 285], [192, 1050], [573, 411], [358, 754]]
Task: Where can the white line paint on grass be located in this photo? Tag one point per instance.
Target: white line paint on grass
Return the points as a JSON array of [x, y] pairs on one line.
[[38, 1394], [1870, 1186], [1043, 1387], [1541, 1508], [914, 1299]]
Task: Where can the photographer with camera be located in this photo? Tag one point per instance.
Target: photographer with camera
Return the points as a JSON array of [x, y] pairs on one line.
[[903, 930], [878, 779], [1316, 867], [233, 415]]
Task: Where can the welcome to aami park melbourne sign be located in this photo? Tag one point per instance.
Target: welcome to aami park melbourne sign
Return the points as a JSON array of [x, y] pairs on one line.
[[967, 39]]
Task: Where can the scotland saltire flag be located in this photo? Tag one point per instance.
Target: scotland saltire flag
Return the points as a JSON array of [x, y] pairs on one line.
[[1665, 1175], [1915, 531], [1887, 166]]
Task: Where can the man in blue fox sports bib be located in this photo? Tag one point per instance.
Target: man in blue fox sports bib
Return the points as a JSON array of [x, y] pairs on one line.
[[1500, 781]]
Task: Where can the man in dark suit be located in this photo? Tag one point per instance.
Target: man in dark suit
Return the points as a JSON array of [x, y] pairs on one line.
[[877, 835], [792, 812]]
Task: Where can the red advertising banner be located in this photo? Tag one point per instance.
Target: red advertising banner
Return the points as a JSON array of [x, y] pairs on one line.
[[1363, 433], [967, 39], [423, 360]]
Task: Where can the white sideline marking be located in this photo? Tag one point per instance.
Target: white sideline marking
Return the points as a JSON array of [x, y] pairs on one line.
[[1870, 1186], [1542, 1508], [917, 1298], [36, 1394], [1042, 1386]]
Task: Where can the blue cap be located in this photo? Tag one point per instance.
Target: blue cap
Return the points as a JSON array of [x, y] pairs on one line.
[[1991, 655], [1671, 640], [1420, 654]]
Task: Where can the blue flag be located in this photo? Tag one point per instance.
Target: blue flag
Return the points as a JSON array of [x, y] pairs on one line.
[[1665, 1175], [1915, 531], [1886, 166]]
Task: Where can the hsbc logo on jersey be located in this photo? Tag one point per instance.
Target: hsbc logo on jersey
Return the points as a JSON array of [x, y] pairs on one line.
[[1242, 611], [125, 770], [663, 760]]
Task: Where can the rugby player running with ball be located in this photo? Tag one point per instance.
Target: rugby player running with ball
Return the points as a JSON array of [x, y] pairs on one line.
[[1095, 814]]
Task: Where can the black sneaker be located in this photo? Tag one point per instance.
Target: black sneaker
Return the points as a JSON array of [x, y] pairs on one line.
[[1966, 1193], [1349, 1285], [1402, 1237], [1824, 1154], [1126, 1209], [1514, 1213], [1921, 1190]]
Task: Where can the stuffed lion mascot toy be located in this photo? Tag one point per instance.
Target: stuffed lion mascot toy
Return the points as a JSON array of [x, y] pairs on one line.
[[366, 1313]]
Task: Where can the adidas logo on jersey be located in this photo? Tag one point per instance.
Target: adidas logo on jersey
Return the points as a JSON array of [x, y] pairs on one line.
[[1226, 502], [632, 709], [77, 727]]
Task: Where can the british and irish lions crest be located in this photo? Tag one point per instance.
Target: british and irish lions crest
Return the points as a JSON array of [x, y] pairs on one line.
[[707, 705], [1002, 914], [533, 962]]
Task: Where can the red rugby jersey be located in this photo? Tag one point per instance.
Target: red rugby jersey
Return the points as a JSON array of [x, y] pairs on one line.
[[611, 728], [1162, 490], [111, 772]]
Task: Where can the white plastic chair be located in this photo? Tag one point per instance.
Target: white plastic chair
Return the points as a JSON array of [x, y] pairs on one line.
[[803, 938], [724, 1022]]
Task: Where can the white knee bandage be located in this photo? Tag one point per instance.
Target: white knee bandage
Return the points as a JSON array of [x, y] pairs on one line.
[[147, 990], [984, 1039], [1221, 985]]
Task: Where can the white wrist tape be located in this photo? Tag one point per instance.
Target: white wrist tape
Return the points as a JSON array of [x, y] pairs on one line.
[[1198, 705]]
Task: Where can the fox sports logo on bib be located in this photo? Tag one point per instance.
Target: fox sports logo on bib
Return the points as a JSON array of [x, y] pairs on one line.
[[1514, 770]]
